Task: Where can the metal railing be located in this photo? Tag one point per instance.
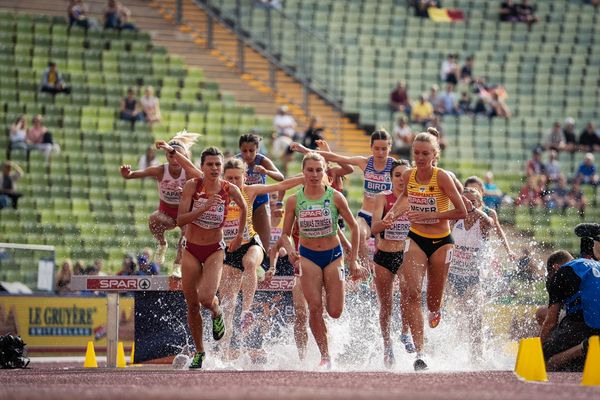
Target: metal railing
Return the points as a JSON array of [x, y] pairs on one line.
[[287, 45]]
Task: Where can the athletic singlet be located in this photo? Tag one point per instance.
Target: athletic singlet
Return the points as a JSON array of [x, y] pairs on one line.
[[169, 188], [400, 227], [214, 217], [316, 218], [426, 197], [253, 178], [469, 247], [232, 221], [276, 231], [377, 181]]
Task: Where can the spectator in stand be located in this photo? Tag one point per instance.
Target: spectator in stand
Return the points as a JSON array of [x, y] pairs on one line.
[[589, 140], [509, 11], [531, 194], [466, 72], [78, 15], [464, 104], [17, 136], [313, 133], [399, 99], [63, 278], [117, 16], [421, 7], [128, 267], [559, 197], [79, 268], [577, 199], [434, 93], [449, 71], [40, 138], [52, 81], [11, 172], [422, 111], [587, 173], [569, 133], [129, 109], [402, 137], [535, 166], [285, 133], [526, 13], [446, 102], [552, 169], [146, 266], [150, 106], [436, 122], [148, 159], [98, 266], [492, 195], [498, 107], [555, 139]]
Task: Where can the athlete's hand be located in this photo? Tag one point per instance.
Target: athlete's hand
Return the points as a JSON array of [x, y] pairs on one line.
[[259, 169], [419, 217], [297, 147], [388, 219], [294, 257], [161, 144], [323, 145], [125, 171], [211, 201], [268, 275], [513, 256], [357, 271], [235, 244]]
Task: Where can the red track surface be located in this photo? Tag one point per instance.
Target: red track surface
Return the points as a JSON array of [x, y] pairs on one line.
[[64, 381]]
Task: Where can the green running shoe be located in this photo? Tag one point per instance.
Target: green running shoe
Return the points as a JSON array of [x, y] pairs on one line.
[[218, 327], [197, 360]]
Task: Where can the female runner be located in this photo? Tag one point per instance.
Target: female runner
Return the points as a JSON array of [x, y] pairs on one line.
[[376, 169], [241, 265], [316, 207], [171, 177], [428, 247], [470, 255], [203, 210], [259, 167], [388, 257]]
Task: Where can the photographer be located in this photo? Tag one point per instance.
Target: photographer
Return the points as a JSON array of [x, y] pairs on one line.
[[573, 286]]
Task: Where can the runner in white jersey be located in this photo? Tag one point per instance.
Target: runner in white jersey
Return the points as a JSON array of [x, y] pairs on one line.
[[376, 169], [470, 256], [171, 178]]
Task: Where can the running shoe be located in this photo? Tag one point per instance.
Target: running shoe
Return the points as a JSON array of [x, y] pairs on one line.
[[434, 318], [161, 251], [247, 321], [176, 272], [408, 344], [420, 365], [325, 364], [388, 357], [218, 327], [197, 360]]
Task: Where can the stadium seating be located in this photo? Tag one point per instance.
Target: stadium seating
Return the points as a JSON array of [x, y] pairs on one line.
[[83, 206]]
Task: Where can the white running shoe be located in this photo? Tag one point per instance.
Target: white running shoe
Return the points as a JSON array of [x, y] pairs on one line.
[[161, 251], [176, 272]]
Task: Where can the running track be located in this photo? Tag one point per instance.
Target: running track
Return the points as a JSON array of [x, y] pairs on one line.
[[62, 381]]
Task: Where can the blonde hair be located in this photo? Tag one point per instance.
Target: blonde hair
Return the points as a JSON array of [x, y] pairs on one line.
[[432, 137], [234, 163], [184, 140], [311, 155], [150, 90]]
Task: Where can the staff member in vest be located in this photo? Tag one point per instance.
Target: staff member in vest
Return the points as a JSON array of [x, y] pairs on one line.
[[573, 287], [428, 247], [376, 169], [202, 210], [316, 207], [388, 258], [241, 265], [470, 255], [171, 178]]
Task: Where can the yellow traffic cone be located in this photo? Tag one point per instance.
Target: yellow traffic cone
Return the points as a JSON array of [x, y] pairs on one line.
[[530, 365], [120, 356], [131, 358], [90, 356], [591, 369]]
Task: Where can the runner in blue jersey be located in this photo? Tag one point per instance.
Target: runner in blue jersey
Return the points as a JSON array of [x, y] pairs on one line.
[[376, 171]]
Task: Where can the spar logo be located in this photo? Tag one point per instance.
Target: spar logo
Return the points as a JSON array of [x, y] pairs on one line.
[[278, 283], [118, 284]]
